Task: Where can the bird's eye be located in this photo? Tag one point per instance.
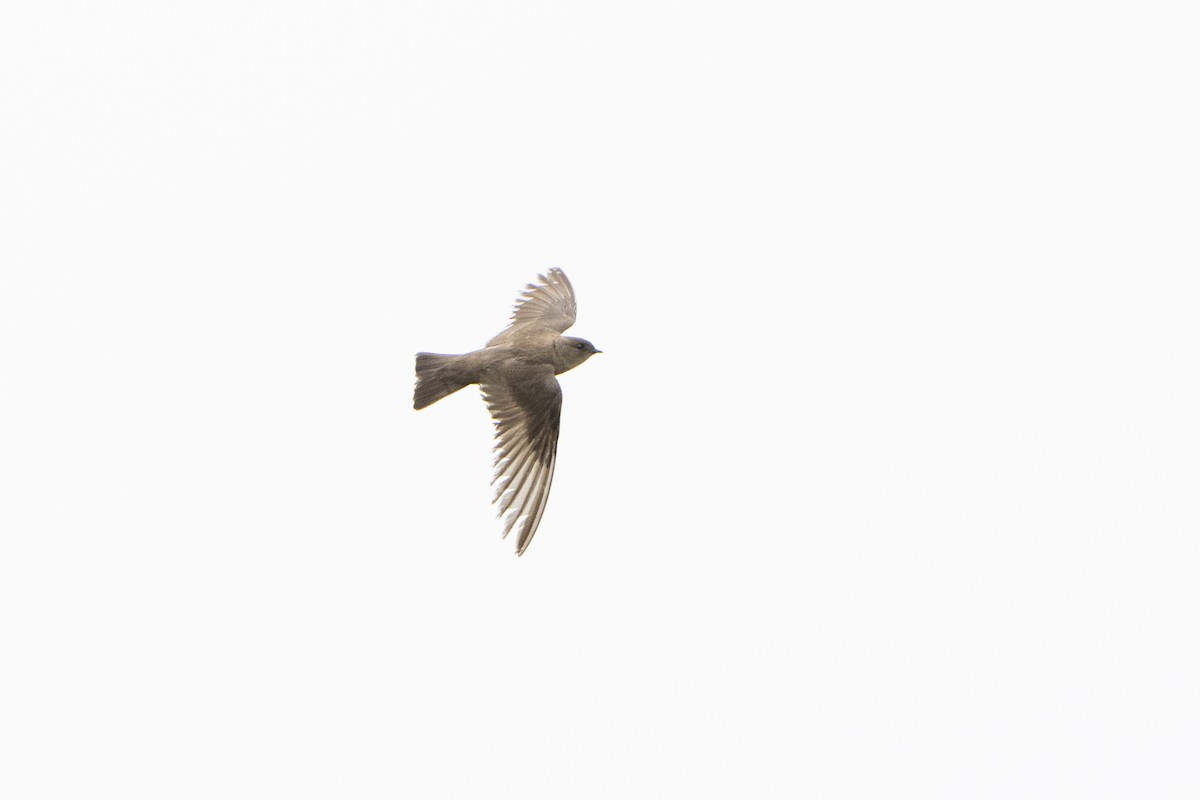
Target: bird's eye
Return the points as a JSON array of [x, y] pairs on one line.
[[579, 346]]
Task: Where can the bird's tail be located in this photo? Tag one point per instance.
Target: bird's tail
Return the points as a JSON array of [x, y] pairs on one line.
[[436, 378]]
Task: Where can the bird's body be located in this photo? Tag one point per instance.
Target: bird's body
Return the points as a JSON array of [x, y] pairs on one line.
[[515, 371]]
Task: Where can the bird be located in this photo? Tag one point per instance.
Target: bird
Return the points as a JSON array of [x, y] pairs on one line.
[[516, 372]]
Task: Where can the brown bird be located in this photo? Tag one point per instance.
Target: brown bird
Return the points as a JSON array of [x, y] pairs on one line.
[[515, 372]]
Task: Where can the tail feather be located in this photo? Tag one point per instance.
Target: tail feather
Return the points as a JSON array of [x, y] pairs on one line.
[[436, 378]]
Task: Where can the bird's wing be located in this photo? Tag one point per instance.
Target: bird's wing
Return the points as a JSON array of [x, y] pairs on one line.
[[525, 402], [550, 302]]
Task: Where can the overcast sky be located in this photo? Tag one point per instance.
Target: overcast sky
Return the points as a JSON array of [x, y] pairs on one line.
[[884, 486]]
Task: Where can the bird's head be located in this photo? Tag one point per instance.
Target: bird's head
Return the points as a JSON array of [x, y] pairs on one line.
[[572, 352]]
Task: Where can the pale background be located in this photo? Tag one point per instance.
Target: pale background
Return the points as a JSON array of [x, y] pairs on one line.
[[885, 486]]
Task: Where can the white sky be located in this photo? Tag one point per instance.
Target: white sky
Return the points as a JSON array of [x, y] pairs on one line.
[[885, 486]]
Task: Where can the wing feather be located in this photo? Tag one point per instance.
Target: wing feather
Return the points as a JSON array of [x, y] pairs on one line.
[[526, 405], [550, 303]]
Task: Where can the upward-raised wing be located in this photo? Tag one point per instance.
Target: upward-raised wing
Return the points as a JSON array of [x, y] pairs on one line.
[[550, 303], [526, 404]]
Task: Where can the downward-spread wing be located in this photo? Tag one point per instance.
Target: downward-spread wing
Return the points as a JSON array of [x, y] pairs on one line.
[[550, 302], [526, 403]]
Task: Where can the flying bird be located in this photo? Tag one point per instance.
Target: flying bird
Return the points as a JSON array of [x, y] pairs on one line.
[[515, 371]]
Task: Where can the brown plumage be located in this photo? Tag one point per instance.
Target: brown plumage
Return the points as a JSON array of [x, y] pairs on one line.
[[515, 372]]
